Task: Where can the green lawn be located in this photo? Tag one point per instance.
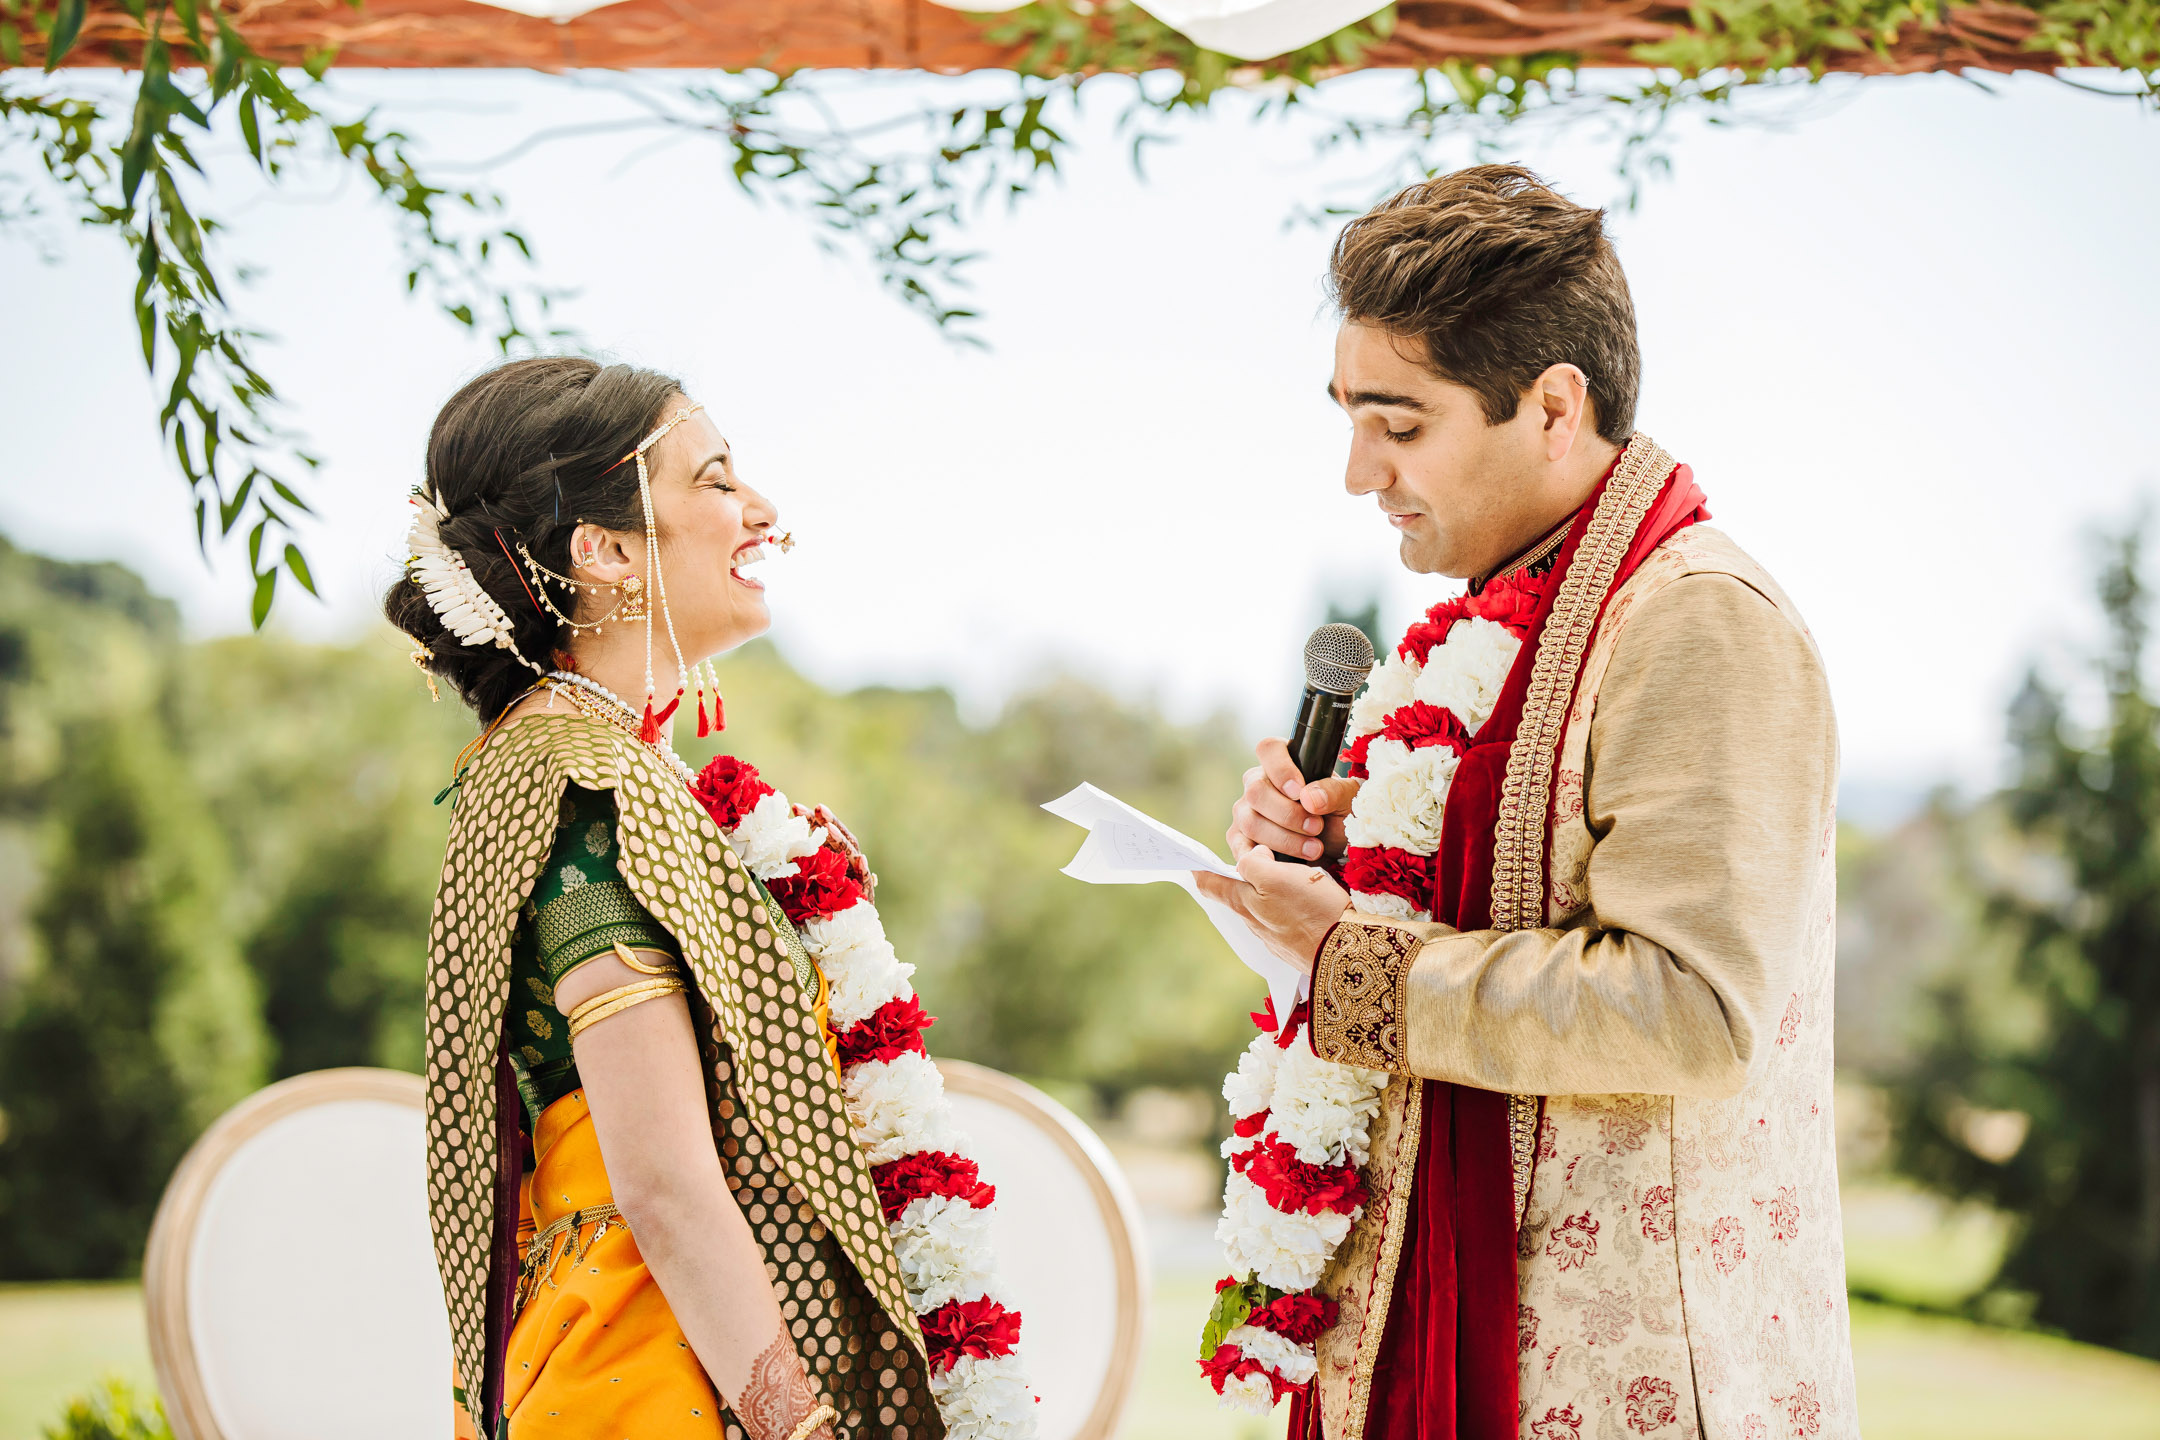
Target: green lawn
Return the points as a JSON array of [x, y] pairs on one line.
[[57, 1341], [1920, 1378]]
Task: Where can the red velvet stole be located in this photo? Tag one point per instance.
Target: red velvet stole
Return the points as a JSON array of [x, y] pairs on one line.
[[1447, 1363]]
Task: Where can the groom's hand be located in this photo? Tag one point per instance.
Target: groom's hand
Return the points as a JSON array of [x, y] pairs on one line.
[[1292, 907], [1280, 811]]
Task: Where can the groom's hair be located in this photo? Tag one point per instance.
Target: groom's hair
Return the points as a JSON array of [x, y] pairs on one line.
[[1498, 277]]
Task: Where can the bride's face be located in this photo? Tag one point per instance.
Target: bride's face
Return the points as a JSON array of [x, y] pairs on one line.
[[711, 527]]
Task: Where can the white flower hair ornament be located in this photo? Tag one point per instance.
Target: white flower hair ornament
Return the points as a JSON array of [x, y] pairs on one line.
[[453, 591]]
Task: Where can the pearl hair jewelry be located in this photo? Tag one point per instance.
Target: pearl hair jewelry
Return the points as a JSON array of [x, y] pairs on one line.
[[453, 592]]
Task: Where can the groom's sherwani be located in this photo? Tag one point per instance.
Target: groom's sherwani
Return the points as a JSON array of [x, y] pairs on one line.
[[1664, 984]]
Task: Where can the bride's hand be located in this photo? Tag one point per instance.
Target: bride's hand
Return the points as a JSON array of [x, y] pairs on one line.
[[843, 839]]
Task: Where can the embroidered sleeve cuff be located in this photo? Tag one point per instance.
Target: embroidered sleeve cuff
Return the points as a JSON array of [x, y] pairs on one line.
[[1357, 995]]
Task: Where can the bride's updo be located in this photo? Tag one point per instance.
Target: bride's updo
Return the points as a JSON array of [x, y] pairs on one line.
[[523, 453]]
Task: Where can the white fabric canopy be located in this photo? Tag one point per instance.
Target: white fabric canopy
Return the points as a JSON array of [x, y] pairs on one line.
[[1247, 29]]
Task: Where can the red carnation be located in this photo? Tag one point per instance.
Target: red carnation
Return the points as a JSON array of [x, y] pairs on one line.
[[1356, 752], [1251, 1125], [819, 886], [1506, 602], [1385, 870], [1230, 1363], [1419, 724], [974, 1329], [927, 1173], [894, 1030], [1297, 1318], [1421, 639], [1292, 1186], [729, 789], [1228, 1282]]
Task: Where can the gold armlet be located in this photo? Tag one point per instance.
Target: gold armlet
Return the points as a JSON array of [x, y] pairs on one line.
[[614, 1002], [624, 954], [811, 1423]]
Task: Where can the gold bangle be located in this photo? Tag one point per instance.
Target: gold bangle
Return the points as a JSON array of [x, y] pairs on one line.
[[614, 1002], [622, 953], [823, 1415]]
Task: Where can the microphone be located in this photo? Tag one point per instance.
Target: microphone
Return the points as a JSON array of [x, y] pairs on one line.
[[1338, 657]]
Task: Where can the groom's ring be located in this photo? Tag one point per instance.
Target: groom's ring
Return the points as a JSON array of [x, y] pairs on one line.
[[1315, 875]]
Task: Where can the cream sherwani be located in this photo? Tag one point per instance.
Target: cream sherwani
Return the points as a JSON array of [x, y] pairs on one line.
[[1680, 1262]]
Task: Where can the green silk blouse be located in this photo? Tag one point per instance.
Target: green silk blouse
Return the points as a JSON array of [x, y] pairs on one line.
[[579, 909]]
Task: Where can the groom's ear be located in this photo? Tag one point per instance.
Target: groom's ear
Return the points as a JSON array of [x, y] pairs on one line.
[[1561, 395]]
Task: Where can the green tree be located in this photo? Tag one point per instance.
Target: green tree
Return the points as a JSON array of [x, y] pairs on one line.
[[2066, 1032], [137, 1023]]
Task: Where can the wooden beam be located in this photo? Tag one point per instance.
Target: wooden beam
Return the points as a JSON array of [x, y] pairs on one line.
[[917, 35]]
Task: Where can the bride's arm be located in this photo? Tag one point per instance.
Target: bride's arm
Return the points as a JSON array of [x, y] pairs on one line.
[[645, 1084]]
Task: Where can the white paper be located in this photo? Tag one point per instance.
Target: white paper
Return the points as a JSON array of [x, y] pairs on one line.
[[1126, 847]]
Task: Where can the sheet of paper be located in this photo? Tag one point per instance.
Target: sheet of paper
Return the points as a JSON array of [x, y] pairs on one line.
[[1128, 847]]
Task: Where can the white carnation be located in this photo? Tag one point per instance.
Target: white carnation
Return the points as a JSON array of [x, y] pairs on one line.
[[1387, 904], [1401, 807], [770, 839], [943, 1246], [1294, 1362], [1251, 1086], [857, 925], [862, 978], [896, 1107], [1465, 674], [985, 1399], [1387, 690], [1288, 1252], [1248, 1394], [1382, 756], [1324, 1110]]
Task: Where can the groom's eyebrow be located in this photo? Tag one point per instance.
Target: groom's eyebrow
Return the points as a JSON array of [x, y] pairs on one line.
[[1376, 397]]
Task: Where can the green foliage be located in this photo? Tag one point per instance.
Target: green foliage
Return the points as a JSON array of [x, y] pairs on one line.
[[898, 189], [1232, 1304], [227, 860], [2065, 1030], [140, 1023], [114, 1413], [137, 176]]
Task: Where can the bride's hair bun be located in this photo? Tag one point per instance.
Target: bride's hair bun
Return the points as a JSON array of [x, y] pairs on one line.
[[525, 452]]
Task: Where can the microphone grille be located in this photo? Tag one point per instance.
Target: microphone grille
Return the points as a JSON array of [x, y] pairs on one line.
[[1338, 657]]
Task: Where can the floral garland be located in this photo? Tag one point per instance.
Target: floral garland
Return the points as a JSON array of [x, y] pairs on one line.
[[932, 1193], [1300, 1124]]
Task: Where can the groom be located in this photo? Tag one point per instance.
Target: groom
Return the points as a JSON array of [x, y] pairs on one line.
[[1603, 1190]]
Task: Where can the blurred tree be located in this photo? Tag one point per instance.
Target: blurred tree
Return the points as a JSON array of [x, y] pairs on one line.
[[137, 1023], [222, 856], [2040, 1089]]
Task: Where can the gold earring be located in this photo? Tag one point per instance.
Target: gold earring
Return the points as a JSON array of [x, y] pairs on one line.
[[633, 602]]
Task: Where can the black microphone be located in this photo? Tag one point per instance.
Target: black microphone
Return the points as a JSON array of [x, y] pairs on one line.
[[1337, 659]]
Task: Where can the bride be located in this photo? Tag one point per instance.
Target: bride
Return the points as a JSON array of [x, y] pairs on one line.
[[690, 1170]]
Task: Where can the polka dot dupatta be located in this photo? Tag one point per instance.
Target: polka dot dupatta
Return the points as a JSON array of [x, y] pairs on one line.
[[775, 1098]]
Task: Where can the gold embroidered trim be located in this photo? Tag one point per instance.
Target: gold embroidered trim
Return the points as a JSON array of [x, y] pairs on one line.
[[1518, 885], [591, 920], [1357, 995], [1523, 1114], [1392, 1226]]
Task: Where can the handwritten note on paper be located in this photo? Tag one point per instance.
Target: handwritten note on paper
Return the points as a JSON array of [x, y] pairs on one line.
[[1129, 847]]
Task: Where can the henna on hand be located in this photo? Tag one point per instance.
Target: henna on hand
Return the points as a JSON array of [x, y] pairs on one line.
[[778, 1395]]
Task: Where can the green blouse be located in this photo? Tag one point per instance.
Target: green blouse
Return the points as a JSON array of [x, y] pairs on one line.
[[579, 909]]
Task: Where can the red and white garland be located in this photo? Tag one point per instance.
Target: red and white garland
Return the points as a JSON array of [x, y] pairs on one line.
[[1300, 1124], [933, 1195]]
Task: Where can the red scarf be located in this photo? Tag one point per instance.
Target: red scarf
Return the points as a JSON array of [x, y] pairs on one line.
[[1447, 1363]]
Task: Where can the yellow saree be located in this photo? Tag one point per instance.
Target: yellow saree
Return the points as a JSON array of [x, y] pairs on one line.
[[593, 1350]]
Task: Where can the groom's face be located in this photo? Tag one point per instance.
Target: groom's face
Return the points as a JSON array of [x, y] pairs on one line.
[[1454, 487]]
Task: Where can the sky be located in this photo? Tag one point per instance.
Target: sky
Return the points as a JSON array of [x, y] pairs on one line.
[[1903, 336]]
